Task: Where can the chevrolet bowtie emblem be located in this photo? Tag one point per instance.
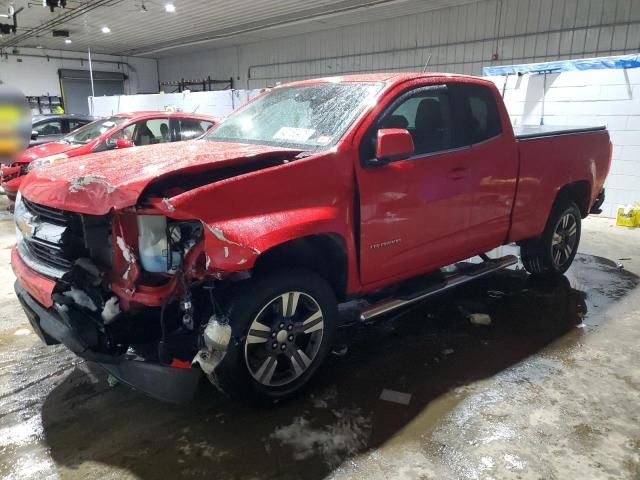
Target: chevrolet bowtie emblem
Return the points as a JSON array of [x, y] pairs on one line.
[[26, 227]]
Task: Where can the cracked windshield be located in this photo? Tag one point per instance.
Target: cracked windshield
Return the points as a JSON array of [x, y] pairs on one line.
[[310, 117]]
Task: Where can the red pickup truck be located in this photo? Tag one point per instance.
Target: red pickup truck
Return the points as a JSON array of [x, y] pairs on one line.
[[228, 256]]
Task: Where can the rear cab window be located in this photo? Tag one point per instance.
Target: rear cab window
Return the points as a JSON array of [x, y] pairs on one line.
[[477, 111]]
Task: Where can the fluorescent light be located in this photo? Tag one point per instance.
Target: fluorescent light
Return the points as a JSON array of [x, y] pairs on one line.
[[67, 40], [106, 30], [170, 8]]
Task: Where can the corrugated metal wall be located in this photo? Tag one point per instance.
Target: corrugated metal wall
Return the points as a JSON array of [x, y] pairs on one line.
[[458, 39]]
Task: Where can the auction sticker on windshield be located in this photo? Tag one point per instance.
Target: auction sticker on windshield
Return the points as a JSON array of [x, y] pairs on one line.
[[293, 134]]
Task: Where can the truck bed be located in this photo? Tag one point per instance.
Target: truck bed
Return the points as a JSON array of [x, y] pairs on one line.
[[527, 132]]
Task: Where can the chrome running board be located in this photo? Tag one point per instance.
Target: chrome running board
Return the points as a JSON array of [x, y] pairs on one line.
[[450, 281]]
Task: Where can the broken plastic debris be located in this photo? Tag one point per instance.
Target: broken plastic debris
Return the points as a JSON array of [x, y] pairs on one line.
[[395, 397], [620, 266], [111, 310], [80, 298], [340, 350], [480, 319], [495, 293], [62, 308], [112, 381]]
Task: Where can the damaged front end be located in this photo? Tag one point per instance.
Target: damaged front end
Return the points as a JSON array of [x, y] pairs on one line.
[[130, 290]]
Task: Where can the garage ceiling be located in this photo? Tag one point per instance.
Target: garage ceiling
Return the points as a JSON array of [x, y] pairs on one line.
[[144, 28]]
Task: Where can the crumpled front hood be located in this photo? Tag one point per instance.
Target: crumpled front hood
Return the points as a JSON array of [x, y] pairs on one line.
[[45, 150], [95, 184]]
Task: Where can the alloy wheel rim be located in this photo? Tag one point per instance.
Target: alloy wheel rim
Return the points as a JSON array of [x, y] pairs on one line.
[[563, 242], [284, 339]]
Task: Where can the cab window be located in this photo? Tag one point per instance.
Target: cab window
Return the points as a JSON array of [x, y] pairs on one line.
[[478, 111], [426, 114]]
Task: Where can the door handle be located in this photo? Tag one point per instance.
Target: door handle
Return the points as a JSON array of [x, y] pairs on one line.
[[458, 173]]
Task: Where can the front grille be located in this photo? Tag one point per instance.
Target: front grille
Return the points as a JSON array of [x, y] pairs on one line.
[[48, 214], [52, 239], [48, 253]]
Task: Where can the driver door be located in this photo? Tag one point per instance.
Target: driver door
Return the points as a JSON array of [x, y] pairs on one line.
[[414, 213]]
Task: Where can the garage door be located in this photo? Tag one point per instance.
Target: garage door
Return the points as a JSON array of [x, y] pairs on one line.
[[76, 87]]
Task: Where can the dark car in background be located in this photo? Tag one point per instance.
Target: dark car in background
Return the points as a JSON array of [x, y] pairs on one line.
[[49, 128]]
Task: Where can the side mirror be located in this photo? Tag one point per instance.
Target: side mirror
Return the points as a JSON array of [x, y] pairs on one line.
[[34, 134], [393, 144], [123, 143]]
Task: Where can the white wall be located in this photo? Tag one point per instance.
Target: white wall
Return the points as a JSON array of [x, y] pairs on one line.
[[593, 97], [459, 39], [219, 103], [39, 76]]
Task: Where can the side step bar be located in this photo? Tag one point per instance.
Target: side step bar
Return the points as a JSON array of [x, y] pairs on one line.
[[453, 280]]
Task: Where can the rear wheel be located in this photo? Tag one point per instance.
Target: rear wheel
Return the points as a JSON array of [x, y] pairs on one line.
[[283, 325], [556, 248]]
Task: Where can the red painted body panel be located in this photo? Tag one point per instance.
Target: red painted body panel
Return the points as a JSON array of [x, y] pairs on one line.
[[308, 202], [549, 163], [100, 182], [394, 142], [38, 286], [394, 221]]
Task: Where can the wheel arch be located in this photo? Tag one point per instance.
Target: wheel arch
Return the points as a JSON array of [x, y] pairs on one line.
[[325, 254], [578, 192]]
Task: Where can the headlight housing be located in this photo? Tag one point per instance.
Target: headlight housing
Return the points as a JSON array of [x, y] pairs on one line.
[[41, 162], [162, 242]]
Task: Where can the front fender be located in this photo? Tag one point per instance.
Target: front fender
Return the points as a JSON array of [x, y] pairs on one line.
[[250, 213], [234, 245]]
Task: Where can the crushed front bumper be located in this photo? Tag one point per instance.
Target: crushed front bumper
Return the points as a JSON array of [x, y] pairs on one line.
[[54, 326]]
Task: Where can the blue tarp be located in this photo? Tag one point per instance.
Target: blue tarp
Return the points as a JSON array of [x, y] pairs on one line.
[[601, 63]]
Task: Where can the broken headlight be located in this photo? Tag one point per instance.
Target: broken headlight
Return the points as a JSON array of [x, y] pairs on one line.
[[163, 243]]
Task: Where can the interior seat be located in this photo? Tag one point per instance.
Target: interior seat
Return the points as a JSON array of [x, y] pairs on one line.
[[428, 136]]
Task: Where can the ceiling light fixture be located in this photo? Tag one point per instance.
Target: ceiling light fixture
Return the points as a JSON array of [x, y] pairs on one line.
[[170, 8], [67, 41], [106, 30]]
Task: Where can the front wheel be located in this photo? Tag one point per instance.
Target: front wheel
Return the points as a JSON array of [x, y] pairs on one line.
[[555, 250], [282, 326]]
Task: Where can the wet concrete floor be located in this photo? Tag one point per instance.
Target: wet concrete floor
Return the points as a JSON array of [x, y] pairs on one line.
[[550, 389]]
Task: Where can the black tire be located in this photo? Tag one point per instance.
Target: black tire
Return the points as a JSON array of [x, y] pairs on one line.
[[554, 251], [253, 300]]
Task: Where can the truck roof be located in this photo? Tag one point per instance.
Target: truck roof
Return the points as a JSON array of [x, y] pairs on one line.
[[388, 77]]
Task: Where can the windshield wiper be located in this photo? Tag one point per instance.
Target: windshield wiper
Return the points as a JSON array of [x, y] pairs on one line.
[[304, 154]]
